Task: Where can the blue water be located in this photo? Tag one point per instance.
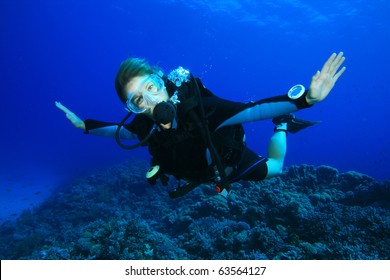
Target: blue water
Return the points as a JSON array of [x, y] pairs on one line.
[[69, 51]]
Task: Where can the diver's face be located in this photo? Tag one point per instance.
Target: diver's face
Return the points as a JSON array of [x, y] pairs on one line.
[[144, 93]]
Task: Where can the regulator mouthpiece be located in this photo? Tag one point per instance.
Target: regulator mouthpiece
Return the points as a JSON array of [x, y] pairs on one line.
[[164, 112]]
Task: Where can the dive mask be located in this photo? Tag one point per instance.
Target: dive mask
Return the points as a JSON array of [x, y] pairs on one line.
[[146, 94]]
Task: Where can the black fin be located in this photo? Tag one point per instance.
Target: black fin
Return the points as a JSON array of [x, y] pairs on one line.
[[294, 124]]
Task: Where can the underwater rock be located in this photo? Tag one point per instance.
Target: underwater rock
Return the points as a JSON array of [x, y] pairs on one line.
[[216, 206], [349, 180], [306, 213], [320, 197], [326, 175]]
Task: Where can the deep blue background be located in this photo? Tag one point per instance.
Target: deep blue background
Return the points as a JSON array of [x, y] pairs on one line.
[[69, 51]]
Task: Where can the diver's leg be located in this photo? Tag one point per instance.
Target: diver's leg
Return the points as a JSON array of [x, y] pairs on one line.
[[277, 148], [253, 167]]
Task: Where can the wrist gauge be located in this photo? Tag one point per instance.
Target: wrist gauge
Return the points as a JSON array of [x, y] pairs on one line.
[[296, 91]]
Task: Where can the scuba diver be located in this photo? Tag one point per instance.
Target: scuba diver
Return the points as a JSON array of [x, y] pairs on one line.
[[198, 137]]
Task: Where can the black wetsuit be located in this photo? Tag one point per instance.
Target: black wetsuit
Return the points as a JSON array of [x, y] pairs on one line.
[[181, 151]]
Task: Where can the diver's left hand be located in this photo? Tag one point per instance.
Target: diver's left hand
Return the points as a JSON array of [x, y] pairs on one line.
[[323, 81]]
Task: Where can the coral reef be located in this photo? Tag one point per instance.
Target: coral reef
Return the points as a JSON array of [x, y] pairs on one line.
[[307, 213]]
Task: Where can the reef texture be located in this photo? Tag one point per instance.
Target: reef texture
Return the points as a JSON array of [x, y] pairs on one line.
[[307, 213]]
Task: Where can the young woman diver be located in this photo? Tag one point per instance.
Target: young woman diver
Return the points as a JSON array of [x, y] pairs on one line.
[[196, 136]]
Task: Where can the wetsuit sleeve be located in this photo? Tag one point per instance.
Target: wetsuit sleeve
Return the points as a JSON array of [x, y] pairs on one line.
[[107, 129], [229, 113]]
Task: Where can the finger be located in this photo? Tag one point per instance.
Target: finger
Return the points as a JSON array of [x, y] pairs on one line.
[[342, 70], [59, 105], [63, 108], [317, 75], [336, 63], [328, 63], [71, 116]]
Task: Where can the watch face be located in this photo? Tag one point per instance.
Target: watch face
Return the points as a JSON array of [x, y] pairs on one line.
[[296, 91]]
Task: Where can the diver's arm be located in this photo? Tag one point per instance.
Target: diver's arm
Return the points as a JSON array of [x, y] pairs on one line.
[[106, 129], [266, 109], [95, 127], [321, 85]]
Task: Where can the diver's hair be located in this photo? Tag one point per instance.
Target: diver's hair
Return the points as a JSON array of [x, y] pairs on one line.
[[130, 68]]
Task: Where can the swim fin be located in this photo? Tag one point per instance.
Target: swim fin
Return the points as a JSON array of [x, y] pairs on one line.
[[293, 123]]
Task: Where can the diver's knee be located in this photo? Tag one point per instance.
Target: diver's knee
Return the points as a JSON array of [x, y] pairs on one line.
[[275, 168]]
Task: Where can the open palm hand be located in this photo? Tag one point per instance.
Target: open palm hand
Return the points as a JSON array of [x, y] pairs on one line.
[[75, 120], [323, 81]]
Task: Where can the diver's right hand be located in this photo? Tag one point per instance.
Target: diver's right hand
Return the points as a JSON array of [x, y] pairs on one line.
[[76, 121]]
